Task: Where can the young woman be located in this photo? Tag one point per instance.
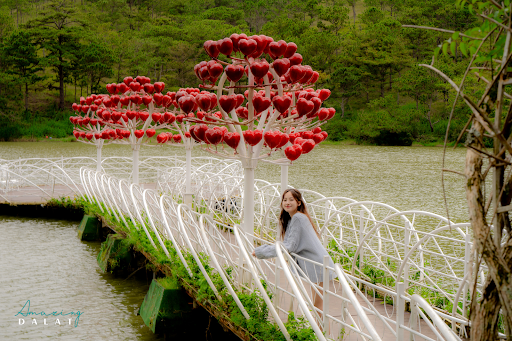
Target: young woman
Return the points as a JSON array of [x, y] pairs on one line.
[[300, 236]]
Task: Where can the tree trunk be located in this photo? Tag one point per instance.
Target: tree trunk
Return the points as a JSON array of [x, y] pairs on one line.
[[354, 11], [497, 293], [26, 96], [61, 77]]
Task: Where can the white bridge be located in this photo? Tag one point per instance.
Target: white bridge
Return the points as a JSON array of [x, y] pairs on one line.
[[400, 274]]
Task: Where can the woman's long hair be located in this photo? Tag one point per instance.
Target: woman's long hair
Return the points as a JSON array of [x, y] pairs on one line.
[[284, 217]]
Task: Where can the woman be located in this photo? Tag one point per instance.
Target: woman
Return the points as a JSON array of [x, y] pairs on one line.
[[300, 237]]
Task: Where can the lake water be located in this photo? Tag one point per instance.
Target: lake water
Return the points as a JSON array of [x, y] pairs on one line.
[[406, 178], [43, 261]]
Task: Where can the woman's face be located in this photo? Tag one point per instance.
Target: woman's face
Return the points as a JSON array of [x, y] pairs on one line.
[[289, 203]]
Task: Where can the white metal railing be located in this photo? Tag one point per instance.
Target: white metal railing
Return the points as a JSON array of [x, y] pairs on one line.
[[383, 257]]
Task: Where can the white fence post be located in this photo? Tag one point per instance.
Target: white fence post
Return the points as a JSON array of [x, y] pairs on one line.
[[407, 240], [326, 294], [400, 311]]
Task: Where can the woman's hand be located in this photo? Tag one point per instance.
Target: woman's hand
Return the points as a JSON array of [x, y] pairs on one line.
[[254, 253]]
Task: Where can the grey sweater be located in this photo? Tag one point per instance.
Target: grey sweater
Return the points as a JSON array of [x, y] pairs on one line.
[[300, 238]]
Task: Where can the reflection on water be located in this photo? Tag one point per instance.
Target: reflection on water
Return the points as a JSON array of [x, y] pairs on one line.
[[404, 177], [43, 261]]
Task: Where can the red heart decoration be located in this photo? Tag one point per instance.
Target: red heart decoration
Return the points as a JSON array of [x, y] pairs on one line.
[[116, 116], [147, 99], [281, 66], [76, 133], [136, 99], [215, 69], [308, 146], [307, 134], [135, 86], [139, 133], [180, 118], [308, 73], [284, 140], [318, 138], [156, 117], [228, 103], [82, 134], [234, 72], [323, 114], [317, 103], [85, 109], [94, 121], [225, 46], [281, 103], [186, 103], [291, 48], [272, 138], [314, 78], [211, 49], [296, 73], [161, 138], [169, 117], [234, 38], [214, 136], [150, 132], [232, 139], [324, 94], [332, 111], [247, 46], [317, 130], [158, 98], [159, 86], [131, 114], [260, 69], [177, 138], [278, 48], [239, 100], [149, 88], [144, 116], [122, 87], [260, 103], [204, 102], [88, 100], [200, 131], [324, 133], [124, 101], [293, 152], [252, 137], [242, 112], [166, 101], [304, 106], [88, 136], [296, 59]]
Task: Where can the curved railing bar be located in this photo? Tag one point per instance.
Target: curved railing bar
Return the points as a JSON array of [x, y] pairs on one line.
[[140, 217], [88, 196], [220, 270], [95, 195], [298, 294], [446, 333], [184, 207], [171, 236], [153, 227], [263, 293], [115, 197], [125, 202], [355, 303]]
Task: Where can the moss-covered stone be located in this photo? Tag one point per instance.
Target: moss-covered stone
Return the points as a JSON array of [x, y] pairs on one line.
[[89, 228], [115, 252], [165, 306]]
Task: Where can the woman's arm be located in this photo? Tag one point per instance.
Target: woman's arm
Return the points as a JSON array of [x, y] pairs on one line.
[[291, 241]]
